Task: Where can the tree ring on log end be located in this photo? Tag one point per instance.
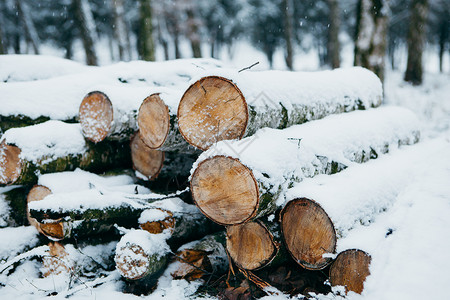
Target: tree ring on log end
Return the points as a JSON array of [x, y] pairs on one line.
[[154, 121], [211, 110], [10, 163], [308, 233], [225, 190], [350, 270], [54, 229], [132, 262], [96, 116], [146, 161], [250, 245], [37, 193]]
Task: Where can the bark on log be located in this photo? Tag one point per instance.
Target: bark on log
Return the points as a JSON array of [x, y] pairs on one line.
[[13, 206], [312, 229], [53, 147], [350, 270], [201, 258], [255, 245], [237, 181], [231, 105]]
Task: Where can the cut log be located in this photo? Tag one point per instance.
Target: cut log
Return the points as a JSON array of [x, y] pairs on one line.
[[237, 181], [38, 193], [308, 233], [57, 262], [158, 125], [201, 258], [231, 105], [54, 146], [350, 270], [146, 161], [255, 245], [313, 230]]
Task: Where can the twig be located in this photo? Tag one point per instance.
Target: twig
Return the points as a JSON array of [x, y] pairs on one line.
[[248, 68]]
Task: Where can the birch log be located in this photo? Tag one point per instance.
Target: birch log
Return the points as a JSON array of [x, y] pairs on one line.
[[231, 105], [237, 181], [54, 146], [327, 208]]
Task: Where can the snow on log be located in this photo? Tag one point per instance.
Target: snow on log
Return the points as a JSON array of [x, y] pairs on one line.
[[17, 240], [57, 262], [236, 181], [13, 206], [58, 98], [327, 208], [350, 270], [200, 258], [54, 146], [227, 105], [255, 245]]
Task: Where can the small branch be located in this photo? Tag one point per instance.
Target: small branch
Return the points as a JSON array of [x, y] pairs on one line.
[[248, 68]]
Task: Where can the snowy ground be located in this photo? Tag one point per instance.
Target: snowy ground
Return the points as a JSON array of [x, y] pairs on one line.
[[409, 263]]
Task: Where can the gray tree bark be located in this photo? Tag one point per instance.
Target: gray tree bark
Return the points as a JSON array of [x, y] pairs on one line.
[[416, 41], [146, 44], [371, 35], [28, 25], [193, 30], [121, 30], [333, 45], [288, 8], [85, 23]]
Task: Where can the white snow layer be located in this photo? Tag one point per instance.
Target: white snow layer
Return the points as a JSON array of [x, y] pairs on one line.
[[25, 67], [16, 240], [345, 85], [46, 140], [60, 97]]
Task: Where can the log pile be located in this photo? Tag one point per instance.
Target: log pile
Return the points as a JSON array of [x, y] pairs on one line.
[[132, 180]]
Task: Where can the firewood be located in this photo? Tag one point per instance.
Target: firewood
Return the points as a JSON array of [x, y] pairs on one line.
[[13, 206], [54, 146], [350, 269], [232, 105], [146, 161], [237, 181]]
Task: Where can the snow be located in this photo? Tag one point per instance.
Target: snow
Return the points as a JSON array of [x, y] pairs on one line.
[[152, 215], [19, 239]]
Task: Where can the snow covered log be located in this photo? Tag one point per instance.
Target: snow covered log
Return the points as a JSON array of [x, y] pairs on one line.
[[350, 269], [13, 206], [200, 258], [54, 146], [255, 245], [58, 98], [227, 105], [327, 208], [237, 181]]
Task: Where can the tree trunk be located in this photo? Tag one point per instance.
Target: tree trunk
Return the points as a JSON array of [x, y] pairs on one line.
[[371, 35], [255, 245], [121, 30], [324, 211], [3, 41], [443, 41], [333, 45], [85, 22], [28, 25], [235, 104], [416, 41], [350, 269], [288, 9], [146, 44], [192, 28], [231, 186], [55, 146]]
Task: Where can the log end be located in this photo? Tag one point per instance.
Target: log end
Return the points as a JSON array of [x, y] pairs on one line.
[[145, 160], [132, 262], [10, 163], [225, 190], [350, 270], [308, 233], [154, 121], [251, 246], [57, 261], [158, 226], [211, 110], [96, 116], [37, 193], [54, 229]]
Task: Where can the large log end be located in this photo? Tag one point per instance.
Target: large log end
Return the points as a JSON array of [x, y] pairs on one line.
[[154, 121], [211, 110], [225, 190], [57, 262], [251, 246], [37, 193], [132, 262], [350, 270], [10, 163], [145, 160], [96, 116], [308, 233]]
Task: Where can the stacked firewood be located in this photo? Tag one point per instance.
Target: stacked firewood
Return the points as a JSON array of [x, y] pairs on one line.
[[255, 146]]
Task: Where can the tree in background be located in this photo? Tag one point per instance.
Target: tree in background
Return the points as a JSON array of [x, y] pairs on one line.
[[439, 28], [371, 35], [288, 11], [333, 45], [146, 45], [397, 30], [416, 41], [121, 31], [86, 26], [28, 25]]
